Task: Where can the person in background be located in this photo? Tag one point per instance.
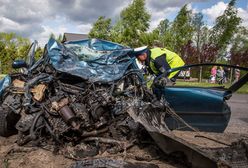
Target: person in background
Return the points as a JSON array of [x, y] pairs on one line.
[[236, 74], [213, 74], [220, 75], [226, 74]]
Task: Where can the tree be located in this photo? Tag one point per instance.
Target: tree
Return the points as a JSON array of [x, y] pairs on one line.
[[38, 53], [101, 28], [188, 52], [225, 27], [135, 20], [149, 38], [240, 40], [163, 32], [182, 30], [163, 26], [197, 26], [116, 32], [239, 49], [58, 38], [12, 47], [52, 36], [2, 53]]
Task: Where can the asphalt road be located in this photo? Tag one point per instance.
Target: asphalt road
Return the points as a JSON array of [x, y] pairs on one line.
[[239, 116]]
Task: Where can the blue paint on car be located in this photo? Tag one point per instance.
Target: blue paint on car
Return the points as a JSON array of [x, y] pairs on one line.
[[203, 108]]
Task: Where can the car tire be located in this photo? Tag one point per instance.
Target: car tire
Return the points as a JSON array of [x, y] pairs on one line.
[[8, 120]]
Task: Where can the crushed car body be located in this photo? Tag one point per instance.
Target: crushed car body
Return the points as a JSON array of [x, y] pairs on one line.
[[89, 98]]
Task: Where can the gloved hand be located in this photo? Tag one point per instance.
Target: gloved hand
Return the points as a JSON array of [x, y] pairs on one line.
[[161, 82]]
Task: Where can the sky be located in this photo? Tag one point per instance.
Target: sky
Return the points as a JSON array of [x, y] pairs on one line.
[[37, 19]]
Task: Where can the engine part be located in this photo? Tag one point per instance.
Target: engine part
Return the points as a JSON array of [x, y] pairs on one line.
[[24, 124], [66, 113], [69, 117]]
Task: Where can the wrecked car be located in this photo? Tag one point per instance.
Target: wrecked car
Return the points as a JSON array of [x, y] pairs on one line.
[[90, 95], [77, 93]]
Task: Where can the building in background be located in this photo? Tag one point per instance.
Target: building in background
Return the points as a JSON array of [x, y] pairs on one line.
[[73, 37]]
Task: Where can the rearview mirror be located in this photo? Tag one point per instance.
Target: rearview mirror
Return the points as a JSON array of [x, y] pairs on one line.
[[19, 64]]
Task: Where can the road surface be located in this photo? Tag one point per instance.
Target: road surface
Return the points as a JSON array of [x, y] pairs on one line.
[[239, 118]]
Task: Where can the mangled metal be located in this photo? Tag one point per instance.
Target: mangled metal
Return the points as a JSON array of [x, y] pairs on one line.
[[87, 99], [5, 82], [79, 110], [89, 64]]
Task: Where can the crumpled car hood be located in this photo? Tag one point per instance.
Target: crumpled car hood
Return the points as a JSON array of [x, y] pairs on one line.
[[93, 60]]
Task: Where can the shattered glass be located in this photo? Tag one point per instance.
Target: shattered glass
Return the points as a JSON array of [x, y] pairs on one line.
[[5, 82], [97, 61]]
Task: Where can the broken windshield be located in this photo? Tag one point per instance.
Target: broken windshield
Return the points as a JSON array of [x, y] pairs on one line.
[[93, 60]]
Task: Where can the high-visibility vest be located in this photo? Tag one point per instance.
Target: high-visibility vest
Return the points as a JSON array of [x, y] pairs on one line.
[[172, 58]]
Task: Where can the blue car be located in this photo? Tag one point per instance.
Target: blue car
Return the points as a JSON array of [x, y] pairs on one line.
[[104, 62]]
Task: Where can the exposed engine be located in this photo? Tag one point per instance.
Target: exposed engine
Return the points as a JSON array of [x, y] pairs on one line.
[[53, 109]]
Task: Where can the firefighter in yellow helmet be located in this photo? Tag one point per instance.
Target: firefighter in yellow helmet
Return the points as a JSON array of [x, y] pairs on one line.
[[158, 61]]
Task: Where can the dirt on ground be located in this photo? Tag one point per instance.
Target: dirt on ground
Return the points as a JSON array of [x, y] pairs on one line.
[[209, 139], [12, 156]]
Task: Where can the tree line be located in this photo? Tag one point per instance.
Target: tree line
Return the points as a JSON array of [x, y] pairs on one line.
[[188, 35], [14, 47]]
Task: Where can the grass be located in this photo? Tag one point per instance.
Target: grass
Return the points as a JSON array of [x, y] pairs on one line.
[[243, 89], [2, 76]]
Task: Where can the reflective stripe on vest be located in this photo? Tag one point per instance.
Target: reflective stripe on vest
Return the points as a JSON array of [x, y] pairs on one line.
[[172, 58]]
